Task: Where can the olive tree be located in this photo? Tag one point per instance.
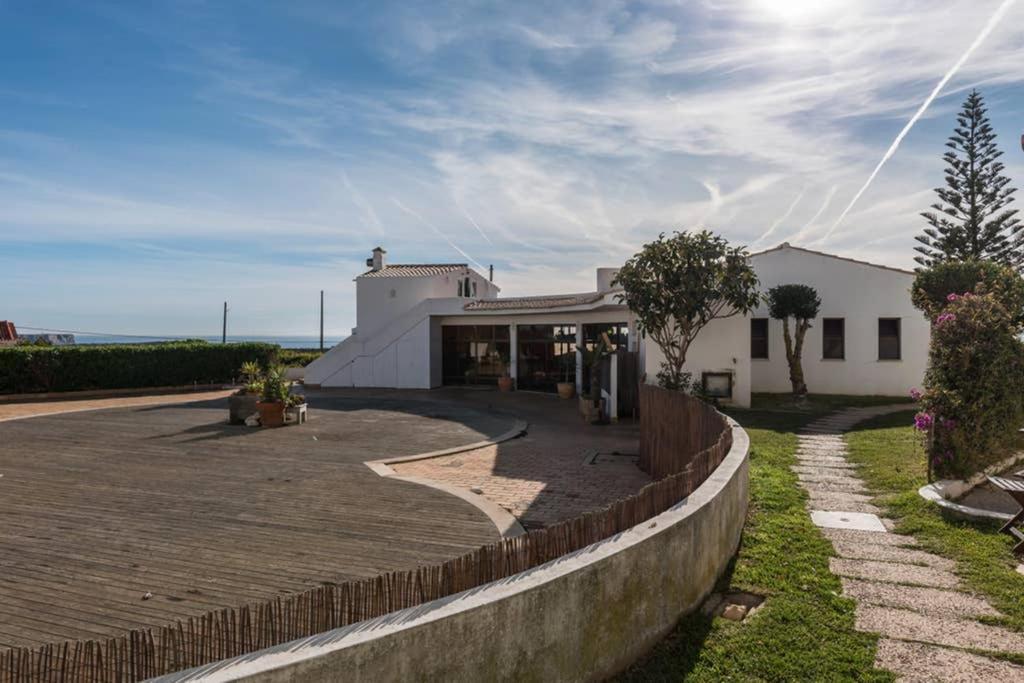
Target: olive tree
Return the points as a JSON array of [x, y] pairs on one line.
[[801, 303], [676, 285]]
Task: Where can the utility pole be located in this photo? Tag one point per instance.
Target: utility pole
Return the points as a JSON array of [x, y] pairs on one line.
[[224, 329], [321, 321]]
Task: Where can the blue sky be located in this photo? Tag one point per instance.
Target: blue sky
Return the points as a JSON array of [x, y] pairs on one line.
[[157, 159]]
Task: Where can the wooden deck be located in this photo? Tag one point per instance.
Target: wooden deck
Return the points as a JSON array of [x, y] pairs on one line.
[[116, 519]]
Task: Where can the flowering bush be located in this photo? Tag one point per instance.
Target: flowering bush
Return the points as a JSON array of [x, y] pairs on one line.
[[973, 401]]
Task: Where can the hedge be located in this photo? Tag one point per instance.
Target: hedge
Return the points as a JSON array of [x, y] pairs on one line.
[[291, 358], [30, 368]]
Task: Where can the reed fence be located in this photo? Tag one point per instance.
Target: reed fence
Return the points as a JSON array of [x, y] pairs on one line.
[[670, 425]]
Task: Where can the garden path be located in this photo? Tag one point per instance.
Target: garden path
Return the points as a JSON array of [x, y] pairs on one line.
[[931, 627]]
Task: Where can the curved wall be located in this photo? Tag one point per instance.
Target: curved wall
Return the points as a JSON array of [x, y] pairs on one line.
[[585, 616]]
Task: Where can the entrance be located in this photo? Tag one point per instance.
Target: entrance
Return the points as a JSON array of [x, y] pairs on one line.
[[547, 355], [474, 354]]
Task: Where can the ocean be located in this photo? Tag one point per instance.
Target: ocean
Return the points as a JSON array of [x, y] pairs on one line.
[[288, 342]]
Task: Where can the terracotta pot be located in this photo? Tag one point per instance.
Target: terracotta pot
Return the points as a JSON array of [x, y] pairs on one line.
[[505, 383], [271, 413], [241, 406], [566, 390]]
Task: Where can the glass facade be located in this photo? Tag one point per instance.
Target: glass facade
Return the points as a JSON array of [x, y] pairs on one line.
[[547, 355], [618, 335], [474, 354]]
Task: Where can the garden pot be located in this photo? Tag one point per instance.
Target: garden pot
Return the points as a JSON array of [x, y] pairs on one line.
[[271, 413], [241, 406], [566, 390], [505, 383]]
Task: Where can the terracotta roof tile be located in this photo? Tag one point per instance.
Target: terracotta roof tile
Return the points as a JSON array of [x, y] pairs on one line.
[[533, 302], [414, 270]]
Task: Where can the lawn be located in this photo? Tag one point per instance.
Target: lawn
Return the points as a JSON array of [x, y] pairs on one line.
[[804, 631], [893, 465]]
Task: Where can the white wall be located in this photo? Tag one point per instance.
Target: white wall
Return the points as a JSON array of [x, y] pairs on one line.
[[722, 346], [379, 300], [859, 293]]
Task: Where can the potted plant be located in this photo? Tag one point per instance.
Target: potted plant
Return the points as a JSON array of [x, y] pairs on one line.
[[295, 409], [242, 403], [505, 382], [566, 389], [592, 406], [273, 399]]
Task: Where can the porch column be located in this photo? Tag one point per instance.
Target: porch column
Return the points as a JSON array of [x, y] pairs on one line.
[[513, 353], [579, 358]]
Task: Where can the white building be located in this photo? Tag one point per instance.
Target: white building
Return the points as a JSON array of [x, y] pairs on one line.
[[428, 325]]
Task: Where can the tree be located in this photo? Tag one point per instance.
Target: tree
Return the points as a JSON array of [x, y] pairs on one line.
[[800, 302], [970, 220], [676, 285], [933, 287]]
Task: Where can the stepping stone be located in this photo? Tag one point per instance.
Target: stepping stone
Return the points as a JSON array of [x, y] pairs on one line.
[[885, 553], [831, 478], [827, 486], [943, 603], [906, 625], [869, 537], [831, 461], [892, 573], [847, 520], [825, 470], [825, 501], [920, 663]]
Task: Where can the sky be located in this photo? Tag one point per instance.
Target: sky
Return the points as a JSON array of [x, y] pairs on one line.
[[158, 159]]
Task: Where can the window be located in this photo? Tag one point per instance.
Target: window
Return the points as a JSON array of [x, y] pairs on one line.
[[759, 338], [460, 288], [717, 384], [833, 338], [888, 339], [474, 289]]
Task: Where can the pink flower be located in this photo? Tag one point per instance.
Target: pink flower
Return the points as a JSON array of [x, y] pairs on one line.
[[923, 422], [952, 297], [945, 318], [915, 394]]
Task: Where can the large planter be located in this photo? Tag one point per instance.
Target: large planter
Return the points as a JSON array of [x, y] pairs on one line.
[[566, 390], [505, 383], [241, 406], [271, 413]]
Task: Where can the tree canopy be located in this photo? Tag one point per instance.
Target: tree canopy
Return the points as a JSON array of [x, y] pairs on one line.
[[676, 285], [793, 301], [932, 287], [970, 220]]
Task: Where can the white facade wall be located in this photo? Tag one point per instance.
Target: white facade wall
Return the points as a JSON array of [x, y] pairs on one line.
[[860, 294], [379, 300], [722, 346]]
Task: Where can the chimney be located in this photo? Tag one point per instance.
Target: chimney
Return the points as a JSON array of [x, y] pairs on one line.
[[490, 277], [604, 279], [377, 261]]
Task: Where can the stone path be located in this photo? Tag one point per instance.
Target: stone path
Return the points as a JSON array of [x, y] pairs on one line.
[[913, 598]]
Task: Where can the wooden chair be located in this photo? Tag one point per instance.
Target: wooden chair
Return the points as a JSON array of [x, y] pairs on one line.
[[1015, 488]]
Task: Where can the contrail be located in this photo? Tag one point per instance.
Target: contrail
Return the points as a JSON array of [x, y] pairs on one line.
[[992, 22], [814, 219], [475, 224], [781, 218], [433, 227]]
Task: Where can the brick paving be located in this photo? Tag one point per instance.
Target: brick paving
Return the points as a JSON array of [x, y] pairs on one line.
[[13, 411], [545, 476], [912, 598]]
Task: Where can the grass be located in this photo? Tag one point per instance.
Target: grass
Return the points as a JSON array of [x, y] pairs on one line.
[[893, 465], [804, 631]]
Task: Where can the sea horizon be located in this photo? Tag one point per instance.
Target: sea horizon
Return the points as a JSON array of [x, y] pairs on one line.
[[295, 341]]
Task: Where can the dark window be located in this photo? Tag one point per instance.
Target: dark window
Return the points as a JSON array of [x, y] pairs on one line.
[[759, 337], [833, 338], [547, 355], [717, 384], [474, 354], [888, 339]]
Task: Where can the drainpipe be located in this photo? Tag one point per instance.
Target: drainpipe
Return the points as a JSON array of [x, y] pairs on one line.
[[579, 358], [513, 352]]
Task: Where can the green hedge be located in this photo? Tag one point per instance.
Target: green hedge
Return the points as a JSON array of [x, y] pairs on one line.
[[26, 369], [291, 358]]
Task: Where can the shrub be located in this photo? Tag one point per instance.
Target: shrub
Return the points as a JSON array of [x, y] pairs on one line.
[[291, 358], [973, 402], [800, 302], [933, 286], [125, 366]]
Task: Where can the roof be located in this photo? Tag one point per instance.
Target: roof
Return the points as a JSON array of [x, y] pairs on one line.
[[787, 245], [534, 302], [415, 270], [7, 331]]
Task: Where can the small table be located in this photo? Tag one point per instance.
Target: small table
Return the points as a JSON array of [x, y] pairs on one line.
[[1015, 489]]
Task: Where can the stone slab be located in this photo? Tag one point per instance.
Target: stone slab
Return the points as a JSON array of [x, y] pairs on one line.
[[847, 520], [885, 553], [828, 486], [937, 601], [907, 625], [835, 477], [920, 663], [869, 537], [893, 573]]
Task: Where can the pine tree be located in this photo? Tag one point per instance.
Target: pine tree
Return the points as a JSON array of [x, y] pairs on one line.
[[971, 220]]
